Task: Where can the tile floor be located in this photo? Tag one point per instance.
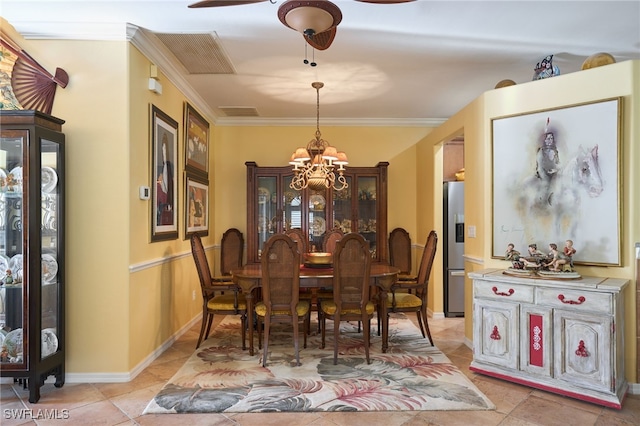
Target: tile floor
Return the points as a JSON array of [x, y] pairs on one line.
[[123, 403]]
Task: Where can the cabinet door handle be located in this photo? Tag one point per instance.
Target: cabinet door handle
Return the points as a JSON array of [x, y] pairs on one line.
[[580, 300], [502, 293]]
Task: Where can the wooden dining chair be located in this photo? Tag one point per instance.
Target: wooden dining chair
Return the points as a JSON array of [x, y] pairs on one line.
[[401, 301], [298, 237], [400, 253], [218, 297], [231, 252], [330, 239], [400, 256], [280, 292], [302, 242], [351, 302]]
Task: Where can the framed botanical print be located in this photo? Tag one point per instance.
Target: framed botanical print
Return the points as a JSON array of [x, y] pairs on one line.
[[196, 141], [164, 157], [556, 177], [196, 206]]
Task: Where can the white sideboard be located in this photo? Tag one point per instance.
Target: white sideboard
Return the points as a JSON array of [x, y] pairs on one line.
[[562, 336]]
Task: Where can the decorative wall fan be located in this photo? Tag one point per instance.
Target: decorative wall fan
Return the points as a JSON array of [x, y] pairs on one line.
[[316, 20], [31, 85]]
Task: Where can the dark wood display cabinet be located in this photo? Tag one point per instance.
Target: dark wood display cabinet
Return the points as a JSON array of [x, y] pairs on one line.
[[32, 317], [274, 207]]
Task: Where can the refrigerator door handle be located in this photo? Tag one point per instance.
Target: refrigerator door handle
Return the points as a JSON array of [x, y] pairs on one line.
[[457, 273]]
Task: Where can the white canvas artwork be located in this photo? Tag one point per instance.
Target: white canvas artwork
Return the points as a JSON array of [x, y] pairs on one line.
[[556, 177]]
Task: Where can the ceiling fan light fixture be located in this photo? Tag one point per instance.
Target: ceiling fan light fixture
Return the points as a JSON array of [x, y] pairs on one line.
[[309, 17]]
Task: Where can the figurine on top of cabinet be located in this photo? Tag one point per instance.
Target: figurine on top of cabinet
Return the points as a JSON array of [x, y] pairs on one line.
[[558, 259], [534, 259], [569, 251], [555, 265], [546, 69], [511, 254]]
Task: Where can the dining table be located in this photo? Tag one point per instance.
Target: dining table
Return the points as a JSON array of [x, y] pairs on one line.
[[382, 277]]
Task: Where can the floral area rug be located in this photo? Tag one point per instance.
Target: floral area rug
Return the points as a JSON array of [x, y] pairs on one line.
[[412, 375]]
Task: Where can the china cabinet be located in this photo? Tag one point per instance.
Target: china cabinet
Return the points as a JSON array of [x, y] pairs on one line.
[[274, 207], [560, 335], [32, 249]]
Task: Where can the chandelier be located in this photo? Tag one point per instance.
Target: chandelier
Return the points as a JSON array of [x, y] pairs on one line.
[[319, 165]]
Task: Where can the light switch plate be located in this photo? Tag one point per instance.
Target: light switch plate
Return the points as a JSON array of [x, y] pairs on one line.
[[145, 193]]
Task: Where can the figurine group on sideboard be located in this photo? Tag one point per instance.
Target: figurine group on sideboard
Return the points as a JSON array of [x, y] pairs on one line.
[[556, 263]]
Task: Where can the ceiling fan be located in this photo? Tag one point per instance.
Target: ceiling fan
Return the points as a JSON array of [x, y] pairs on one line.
[[316, 20]]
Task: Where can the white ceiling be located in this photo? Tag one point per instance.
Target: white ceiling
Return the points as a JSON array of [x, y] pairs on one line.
[[417, 61]]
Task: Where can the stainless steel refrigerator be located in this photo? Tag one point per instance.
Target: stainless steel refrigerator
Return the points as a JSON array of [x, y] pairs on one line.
[[453, 249]]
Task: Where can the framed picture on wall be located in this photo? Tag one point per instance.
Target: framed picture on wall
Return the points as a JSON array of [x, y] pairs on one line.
[[196, 206], [556, 177], [196, 141], [164, 157]]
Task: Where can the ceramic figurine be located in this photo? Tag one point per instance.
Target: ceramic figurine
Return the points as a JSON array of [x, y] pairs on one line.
[[535, 257], [511, 254], [569, 251], [558, 258], [546, 69]]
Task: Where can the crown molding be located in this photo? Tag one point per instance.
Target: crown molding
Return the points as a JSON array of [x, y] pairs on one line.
[[92, 31], [328, 121]]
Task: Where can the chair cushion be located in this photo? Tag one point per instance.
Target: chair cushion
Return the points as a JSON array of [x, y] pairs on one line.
[[329, 307], [404, 301], [302, 308], [405, 277], [224, 302]]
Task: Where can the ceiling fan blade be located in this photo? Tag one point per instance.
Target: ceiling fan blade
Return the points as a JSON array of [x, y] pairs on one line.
[[385, 1], [323, 40], [218, 3]]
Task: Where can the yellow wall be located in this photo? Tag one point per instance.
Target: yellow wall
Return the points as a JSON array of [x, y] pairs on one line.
[[163, 278], [622, 79]]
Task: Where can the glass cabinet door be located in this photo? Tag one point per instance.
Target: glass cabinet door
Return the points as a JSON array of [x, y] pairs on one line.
[[368, 210], [267, 209], [49, 243], [342, 211], [13, 292], [278, 207], [319, 222], [292, 206]]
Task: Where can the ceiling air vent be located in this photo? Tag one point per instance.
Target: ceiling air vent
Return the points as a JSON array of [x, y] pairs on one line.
[[231, 111], [199, 53]]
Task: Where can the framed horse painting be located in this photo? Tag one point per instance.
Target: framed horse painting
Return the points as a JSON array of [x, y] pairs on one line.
[[556, 177]]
